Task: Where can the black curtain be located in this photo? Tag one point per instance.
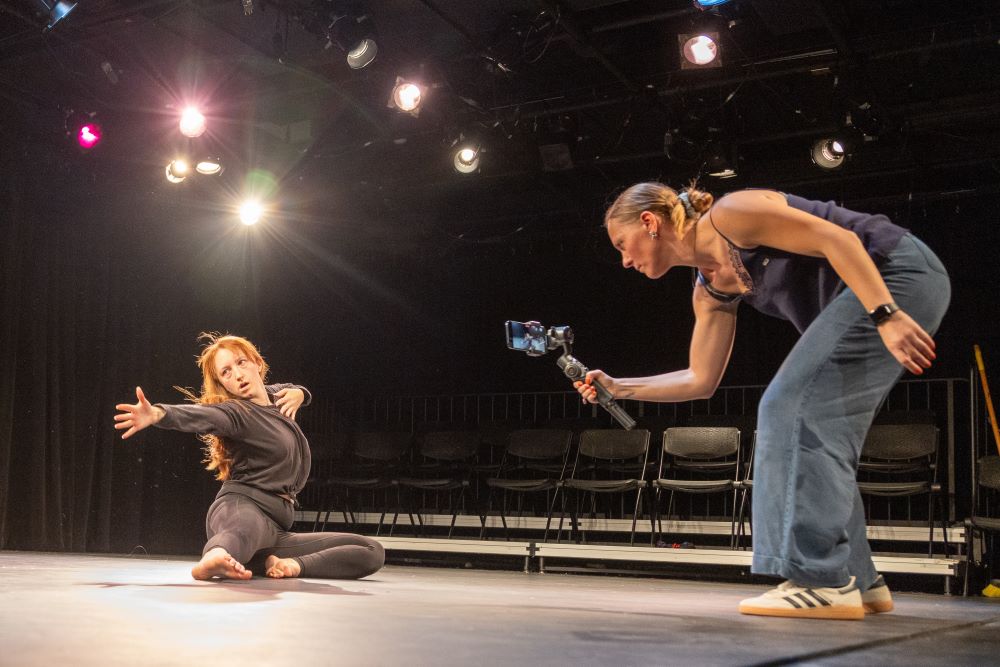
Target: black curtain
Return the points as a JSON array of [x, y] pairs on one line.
[[108, 277]]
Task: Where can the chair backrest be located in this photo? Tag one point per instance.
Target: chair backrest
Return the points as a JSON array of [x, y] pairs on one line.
[[989, 472], [450, 445], [701, 442], [900, 442], [382, 445], [540, 443], [614, 444], [329, 446]]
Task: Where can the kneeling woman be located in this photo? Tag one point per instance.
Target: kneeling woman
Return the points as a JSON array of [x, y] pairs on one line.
[[263, 460]]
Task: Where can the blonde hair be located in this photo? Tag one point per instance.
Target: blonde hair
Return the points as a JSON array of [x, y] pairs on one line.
[[659, 199], [217, 457]]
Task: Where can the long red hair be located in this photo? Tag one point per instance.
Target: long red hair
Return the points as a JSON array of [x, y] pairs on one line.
[[217, 457]]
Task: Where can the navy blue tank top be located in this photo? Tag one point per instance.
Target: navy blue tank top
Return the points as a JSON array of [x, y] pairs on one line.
[[797, 287]]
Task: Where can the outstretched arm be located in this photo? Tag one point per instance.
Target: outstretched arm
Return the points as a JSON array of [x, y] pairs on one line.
[[760, 217], [225, 419], [711, 345], [138, 416]]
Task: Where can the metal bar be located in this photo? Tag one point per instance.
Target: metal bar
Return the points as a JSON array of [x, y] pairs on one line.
[[950, 388]]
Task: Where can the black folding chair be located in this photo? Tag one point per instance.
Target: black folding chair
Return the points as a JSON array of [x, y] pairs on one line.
[[698, 460], [379, 457], [900, 460], [447, 466], [985, 519], [534, 462], [608, 462]]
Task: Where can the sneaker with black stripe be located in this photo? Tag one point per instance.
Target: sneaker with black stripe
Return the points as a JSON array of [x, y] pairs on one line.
[[793, 601], [877, 599]]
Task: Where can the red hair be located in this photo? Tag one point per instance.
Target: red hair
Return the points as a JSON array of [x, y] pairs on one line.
[[217, 457]]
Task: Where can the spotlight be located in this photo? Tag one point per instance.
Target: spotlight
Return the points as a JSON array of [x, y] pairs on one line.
[[362, 54], [406, 96], [705, 4], [209, 167], [83, 127], [700, 51], [251, 212], [466, 158], [722, 160], [56, 11], [356, 36], [89, 135], [177, 170], [192, 123], [829, 153]]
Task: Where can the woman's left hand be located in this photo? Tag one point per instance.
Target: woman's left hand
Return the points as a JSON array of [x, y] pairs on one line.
[[289, 400], [908, 342]]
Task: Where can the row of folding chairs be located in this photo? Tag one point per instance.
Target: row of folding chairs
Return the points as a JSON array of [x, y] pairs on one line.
[[606, 468]]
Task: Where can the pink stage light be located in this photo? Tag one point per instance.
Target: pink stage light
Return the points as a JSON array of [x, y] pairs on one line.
[[88, 135]]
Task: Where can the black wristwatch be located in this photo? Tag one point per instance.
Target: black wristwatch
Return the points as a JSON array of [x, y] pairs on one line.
[[883, 312]]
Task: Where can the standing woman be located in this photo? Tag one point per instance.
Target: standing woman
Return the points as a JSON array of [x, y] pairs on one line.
[[863, 293], [260, 454]]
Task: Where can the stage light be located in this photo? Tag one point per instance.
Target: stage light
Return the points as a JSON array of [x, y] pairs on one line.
[[700, 51], [829, 153], [704, 4], [89, 135], [356, 36], [721, 161], [406, 96], [56, 11], [362, 54], [177, 170], [209, 166], [466, 158], [251, 212], [192, 123]]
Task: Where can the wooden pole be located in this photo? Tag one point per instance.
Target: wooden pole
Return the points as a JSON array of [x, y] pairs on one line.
[[986, 393]]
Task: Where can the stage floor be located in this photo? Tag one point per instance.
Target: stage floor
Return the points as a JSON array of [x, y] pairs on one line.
[[68, 609]]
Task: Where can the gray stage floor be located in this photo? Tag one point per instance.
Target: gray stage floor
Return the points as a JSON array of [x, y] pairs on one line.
[[61, 609]]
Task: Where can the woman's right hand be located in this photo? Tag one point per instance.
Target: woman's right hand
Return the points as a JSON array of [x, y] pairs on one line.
[[587, 389], [138, 416]]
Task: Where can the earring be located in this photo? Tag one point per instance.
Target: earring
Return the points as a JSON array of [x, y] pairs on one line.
[[654, 235]]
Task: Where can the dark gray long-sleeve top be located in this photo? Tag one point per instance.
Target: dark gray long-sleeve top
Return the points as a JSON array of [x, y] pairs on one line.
[[269, 450]]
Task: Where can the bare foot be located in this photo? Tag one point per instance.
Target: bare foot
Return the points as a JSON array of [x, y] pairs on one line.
[[218, 563], [279, 568]]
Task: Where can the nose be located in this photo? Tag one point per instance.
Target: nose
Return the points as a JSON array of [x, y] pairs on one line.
[[626, 261]]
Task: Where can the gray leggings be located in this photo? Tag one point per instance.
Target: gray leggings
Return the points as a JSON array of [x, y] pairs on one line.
[[250, 525]]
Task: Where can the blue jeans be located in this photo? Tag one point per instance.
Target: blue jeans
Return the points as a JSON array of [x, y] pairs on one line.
[[808, 519]]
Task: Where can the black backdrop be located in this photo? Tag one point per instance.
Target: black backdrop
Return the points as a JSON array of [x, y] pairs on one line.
[[108, 279]]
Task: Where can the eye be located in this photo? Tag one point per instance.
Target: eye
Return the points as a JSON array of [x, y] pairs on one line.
[[241, 363]]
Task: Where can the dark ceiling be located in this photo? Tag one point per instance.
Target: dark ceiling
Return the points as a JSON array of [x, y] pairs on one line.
[[597, 86]]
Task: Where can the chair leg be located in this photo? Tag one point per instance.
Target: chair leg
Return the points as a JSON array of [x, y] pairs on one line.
[[968, 556], [635, 514], [654, 517], [548, 519]]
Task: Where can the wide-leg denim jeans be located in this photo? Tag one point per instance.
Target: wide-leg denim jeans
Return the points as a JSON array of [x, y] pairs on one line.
[[808, 520]]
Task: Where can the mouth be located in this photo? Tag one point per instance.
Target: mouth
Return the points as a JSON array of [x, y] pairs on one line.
[[243, 386]]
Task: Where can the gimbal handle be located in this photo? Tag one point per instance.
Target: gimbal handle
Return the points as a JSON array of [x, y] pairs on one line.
[[574, 370]]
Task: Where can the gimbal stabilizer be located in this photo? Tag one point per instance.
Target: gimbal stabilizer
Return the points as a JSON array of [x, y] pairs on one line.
[[532, 338]]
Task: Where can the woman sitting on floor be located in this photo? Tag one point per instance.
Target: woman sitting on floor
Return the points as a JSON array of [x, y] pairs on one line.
[[263, 460]]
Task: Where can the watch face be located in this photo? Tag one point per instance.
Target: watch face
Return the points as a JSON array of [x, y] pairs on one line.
[[883, 312]]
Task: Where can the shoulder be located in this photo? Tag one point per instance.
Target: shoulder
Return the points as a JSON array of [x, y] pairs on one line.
[[749, 201]]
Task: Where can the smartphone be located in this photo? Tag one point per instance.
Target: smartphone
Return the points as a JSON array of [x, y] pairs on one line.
[[527, 337]]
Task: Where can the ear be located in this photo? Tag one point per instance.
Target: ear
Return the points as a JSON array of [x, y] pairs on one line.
[[650, 222]]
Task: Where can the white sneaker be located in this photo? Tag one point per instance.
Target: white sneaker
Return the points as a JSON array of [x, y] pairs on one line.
[[794, 601], [877, 599]]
